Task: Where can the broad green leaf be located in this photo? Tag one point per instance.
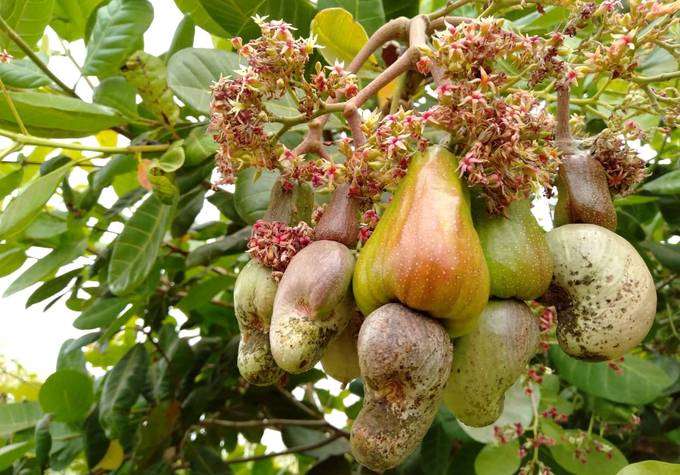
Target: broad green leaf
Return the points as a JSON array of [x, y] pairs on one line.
[[24, 74], [668, 184], [634, 200], [198, 146], [101, 314], [640, 383], [369, 13], [28, 18], [68, 393], [517, 408], [11, 259], [52, 115], [45, 266], [667, 254], [71, 359], [233, 244], [137, 246], [407, 8], [11, 181], [184, 37], [25, 207], [163, 183], [66, 445], [46, 225], [122, 387], [236, 18], [435, 448], [147, 74], [205, 461], [51, 164], [192, 71], [69, 18], [540, 22], [43, 440], [171, 160], [335, 465], [201, 17], [52, 287], [119, 26], [252, 198], [94, 439], [116, 93], [498, 459], [12, 452], [224, 201], [18, 416], [651, 467], [117, 165], [202, 293], [190, 204], [80, 342], [341, 37], [597, 462]]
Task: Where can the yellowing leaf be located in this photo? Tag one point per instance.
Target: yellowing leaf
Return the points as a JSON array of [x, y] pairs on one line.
[[74, 154], [341, 37], [107, 138], [386, 92], [113, 457]]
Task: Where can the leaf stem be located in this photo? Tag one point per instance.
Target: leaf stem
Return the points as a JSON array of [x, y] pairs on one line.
[[13, 109], [29, 52]]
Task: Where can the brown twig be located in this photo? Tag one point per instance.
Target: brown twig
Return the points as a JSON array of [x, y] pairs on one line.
[[294, 450]]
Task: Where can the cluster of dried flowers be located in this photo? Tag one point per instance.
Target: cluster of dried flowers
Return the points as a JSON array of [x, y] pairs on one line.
[[275, 244]]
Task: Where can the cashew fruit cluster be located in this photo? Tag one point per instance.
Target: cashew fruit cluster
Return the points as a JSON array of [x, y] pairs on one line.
[[434, 308]]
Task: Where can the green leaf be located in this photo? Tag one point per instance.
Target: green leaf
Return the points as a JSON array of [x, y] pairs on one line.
[[201, 17], [236, 18], [13, 452], [205, 461], [69, 18], [25, 207], [18, 416], [11, 260], [116, 93], [94, 439], [171, 160], [224, 201], [66, 445], [634, 200], [137, 246], [121, 389], [24, 74], [198, 146], [192, 71], [407, 8], [369, 13], [52, 287], [11, 181], [667, 254], [190, 204], [233, 244], [46, 226], [335, 465], [147, 74], [651, 467], [55, 116], [435, 449], [184, 37], [498, 459], [119, 26], [341, 37], [68, 393], [298, 436], [668, 184], [202, 293], [80, 342], [597, 462], [43, 440], [252, 198], [28, 19], [71, 359], [101, 314], [117, 165], [45, 266], [640, 383]]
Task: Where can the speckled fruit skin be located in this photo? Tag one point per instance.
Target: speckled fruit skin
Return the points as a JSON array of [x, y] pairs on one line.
[[604, 293], [341, 360], [583, 193], [405, 359], [515, 250], [313, 305], [254, 294], [489, 360], [425, 252]]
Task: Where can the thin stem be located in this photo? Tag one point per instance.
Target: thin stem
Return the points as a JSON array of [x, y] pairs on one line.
[[658, 78], [591, 424], [30, 140], [263, 423], [68, 54], [153, 341], [29, 52], [663, 284], [297, 403], [450, 6], [294, 450], [563, 135], [13, 109]]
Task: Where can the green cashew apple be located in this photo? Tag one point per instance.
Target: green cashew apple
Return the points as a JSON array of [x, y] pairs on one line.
[[425, 252], [405, 359], [603, 292], [341, 361], [515, 250], [313, 305], [254, 294], [489, 360], [290, 206]]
